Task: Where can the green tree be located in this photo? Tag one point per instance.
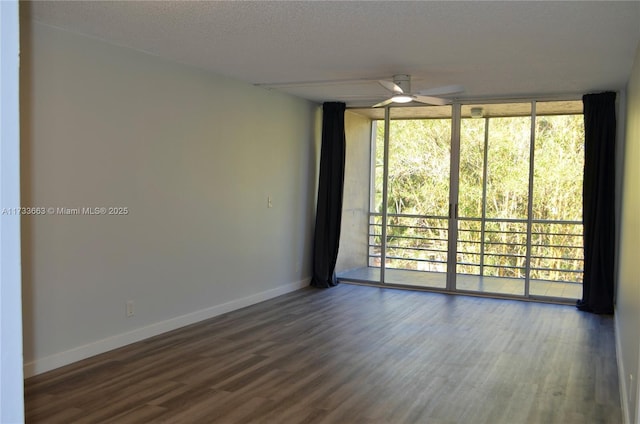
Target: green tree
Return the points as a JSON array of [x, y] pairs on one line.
[[418, 191]]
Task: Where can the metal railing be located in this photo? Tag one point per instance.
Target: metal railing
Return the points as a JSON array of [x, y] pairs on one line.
[[490, 247]]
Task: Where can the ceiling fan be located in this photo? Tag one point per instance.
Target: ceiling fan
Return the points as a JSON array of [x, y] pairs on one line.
[[401, 89]]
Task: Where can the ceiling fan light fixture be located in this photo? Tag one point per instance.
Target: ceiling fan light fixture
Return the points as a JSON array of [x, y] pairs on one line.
[[400, 89], [401, 98]]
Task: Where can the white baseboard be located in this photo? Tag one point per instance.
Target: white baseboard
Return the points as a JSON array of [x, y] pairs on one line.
[[70, 356], [622, 375]]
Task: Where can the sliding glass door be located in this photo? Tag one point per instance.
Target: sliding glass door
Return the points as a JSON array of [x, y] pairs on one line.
[[494, 200], [557, 256], [479, 198], [411, 218]]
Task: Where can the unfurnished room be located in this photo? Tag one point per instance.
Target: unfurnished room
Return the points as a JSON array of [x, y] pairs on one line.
[[376, 212]]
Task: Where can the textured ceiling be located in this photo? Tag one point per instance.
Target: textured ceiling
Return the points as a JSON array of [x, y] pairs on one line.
[[494, 49]]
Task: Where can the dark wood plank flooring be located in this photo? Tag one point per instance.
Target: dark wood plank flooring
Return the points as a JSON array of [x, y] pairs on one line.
[[351, 354]]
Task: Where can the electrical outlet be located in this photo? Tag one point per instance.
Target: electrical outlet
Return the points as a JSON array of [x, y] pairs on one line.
[[130, 308], [269, 202]]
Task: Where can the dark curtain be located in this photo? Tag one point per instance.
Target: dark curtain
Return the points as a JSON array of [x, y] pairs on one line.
[[598, 203], [330, 188]]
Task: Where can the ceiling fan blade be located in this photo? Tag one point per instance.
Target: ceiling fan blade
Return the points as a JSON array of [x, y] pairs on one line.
[[445, 89], [384, 103], [431, 100], [391, 86]]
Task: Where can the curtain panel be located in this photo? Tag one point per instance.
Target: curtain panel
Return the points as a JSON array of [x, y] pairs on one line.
[[330, 190], [598, 203]]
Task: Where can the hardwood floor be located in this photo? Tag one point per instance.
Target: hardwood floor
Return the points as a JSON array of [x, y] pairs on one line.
[[351, 354]]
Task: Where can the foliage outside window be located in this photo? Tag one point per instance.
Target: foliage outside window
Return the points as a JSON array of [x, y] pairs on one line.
[[493, 196]]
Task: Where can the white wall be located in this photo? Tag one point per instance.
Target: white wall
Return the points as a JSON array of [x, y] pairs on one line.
[[353, 249], [193, 156], [11, 387], [628, 283]]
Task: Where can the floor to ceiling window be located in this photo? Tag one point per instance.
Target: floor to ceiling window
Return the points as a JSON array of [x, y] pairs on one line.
[[417, 199], [493, 199], [478, 198]]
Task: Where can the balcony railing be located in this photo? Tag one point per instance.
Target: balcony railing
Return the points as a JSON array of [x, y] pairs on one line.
[[489, 247]]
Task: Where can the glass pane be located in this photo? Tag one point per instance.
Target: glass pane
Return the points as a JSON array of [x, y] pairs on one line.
[[508, 167], [470, 196], [375, 216], [557, 256], [419, 160], [378, 166], [418, 200], [472, 134], [559, 168], [493, 197]]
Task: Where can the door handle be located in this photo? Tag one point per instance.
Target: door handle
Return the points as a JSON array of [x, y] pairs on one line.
[[453, 211]]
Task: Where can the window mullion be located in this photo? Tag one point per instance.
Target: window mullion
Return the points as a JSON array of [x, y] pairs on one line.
[[532, 148]]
